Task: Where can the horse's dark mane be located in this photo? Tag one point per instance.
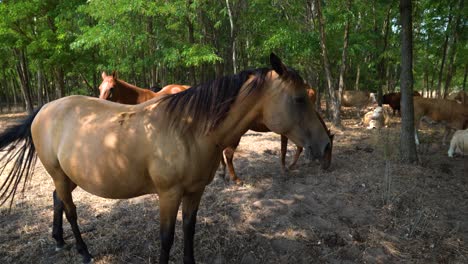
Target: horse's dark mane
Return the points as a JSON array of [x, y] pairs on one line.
[[204, 106]]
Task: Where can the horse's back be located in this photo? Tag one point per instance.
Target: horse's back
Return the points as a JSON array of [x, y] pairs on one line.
[[355, 98], [453, 113], [95, 143]]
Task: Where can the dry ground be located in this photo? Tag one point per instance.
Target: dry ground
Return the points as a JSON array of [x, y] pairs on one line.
[[368, 208]]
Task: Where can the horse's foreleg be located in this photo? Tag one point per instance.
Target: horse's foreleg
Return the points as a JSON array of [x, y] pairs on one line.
[[229, 154], [296, 156], [64, 189], [169, 202], [284, 149], [223, 166], [189, 214], [57, 227]]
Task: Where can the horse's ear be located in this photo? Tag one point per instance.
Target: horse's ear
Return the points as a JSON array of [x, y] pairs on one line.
[[103, 75], [114, 74], [278, 65]]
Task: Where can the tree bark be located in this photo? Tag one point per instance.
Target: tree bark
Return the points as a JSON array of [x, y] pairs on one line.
[[191, 39], [358, 73], [233, 38], [381, 65], [23, 74], [407, 141], [344, 55], [326, 65], [464, 77], [444, 55], [59, 83], [451, 68], [40, 85]]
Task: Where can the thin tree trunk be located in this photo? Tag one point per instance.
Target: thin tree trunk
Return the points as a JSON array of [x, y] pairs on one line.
[[329, 79], [358, 75], [59, 83], [407, 141], [444, 55], [23, 73], [381, 65], [40, 84], [233, 38], [464, 77], [451, 68], [344, 55]]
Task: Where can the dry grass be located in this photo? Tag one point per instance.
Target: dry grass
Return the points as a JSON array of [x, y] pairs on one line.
[[349, 214]]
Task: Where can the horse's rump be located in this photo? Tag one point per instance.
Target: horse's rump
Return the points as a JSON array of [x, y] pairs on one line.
[[454, 114]]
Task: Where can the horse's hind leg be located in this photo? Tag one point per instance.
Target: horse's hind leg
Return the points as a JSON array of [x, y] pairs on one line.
[[64, 186], [57, 227], [229, 154]]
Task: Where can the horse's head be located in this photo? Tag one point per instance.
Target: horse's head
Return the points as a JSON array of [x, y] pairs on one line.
[[287, 110], [107, 89]]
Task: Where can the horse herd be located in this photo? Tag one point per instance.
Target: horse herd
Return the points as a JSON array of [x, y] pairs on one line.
[[169, 142]]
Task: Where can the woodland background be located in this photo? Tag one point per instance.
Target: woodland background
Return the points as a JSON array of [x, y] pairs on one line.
[[53, 48]]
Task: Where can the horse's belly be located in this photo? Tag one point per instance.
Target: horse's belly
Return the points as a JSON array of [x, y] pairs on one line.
[[113, 186]]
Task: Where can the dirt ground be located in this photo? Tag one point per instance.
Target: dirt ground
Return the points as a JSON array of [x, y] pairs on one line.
[[367, 208]]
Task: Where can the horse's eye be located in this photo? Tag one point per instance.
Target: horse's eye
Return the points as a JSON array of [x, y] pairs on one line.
[[299, 100]]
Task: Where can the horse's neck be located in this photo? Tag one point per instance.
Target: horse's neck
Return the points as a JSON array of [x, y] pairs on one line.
[[244, 111], [127, 86], [133, 93]]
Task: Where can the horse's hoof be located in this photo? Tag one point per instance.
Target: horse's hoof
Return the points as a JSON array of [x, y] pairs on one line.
[[62, 247], [88, 260], [239, 182]]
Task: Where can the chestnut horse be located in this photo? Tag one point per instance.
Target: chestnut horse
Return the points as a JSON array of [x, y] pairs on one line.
[[118, 91], [259, 127], [170, 145]]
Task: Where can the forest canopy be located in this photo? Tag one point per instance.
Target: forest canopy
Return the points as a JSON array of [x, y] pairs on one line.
[[53, 48]]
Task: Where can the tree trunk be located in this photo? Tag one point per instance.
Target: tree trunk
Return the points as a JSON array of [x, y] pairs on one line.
[[22, 69], [40, 85], [451, 68], [358, 73], [59, 83], [233, 38], [381, 65], [344, 55], [407, 141], [326, 65], [464, 77], [444, 55]]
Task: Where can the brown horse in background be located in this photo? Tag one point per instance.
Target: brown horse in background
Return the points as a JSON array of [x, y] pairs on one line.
[[170, 145], [453, 114], [259, 127], [119, 91], [393, 99]]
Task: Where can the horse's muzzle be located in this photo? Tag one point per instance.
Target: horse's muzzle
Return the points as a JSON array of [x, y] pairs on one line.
[[322, 155]]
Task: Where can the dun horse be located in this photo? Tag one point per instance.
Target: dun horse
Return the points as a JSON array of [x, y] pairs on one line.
[[118, 91], [171, 145]]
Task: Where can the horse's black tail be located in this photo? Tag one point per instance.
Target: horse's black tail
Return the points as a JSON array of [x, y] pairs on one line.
[[18, 156]]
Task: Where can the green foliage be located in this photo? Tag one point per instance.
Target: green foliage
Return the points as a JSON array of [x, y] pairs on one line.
[[140, 37]]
